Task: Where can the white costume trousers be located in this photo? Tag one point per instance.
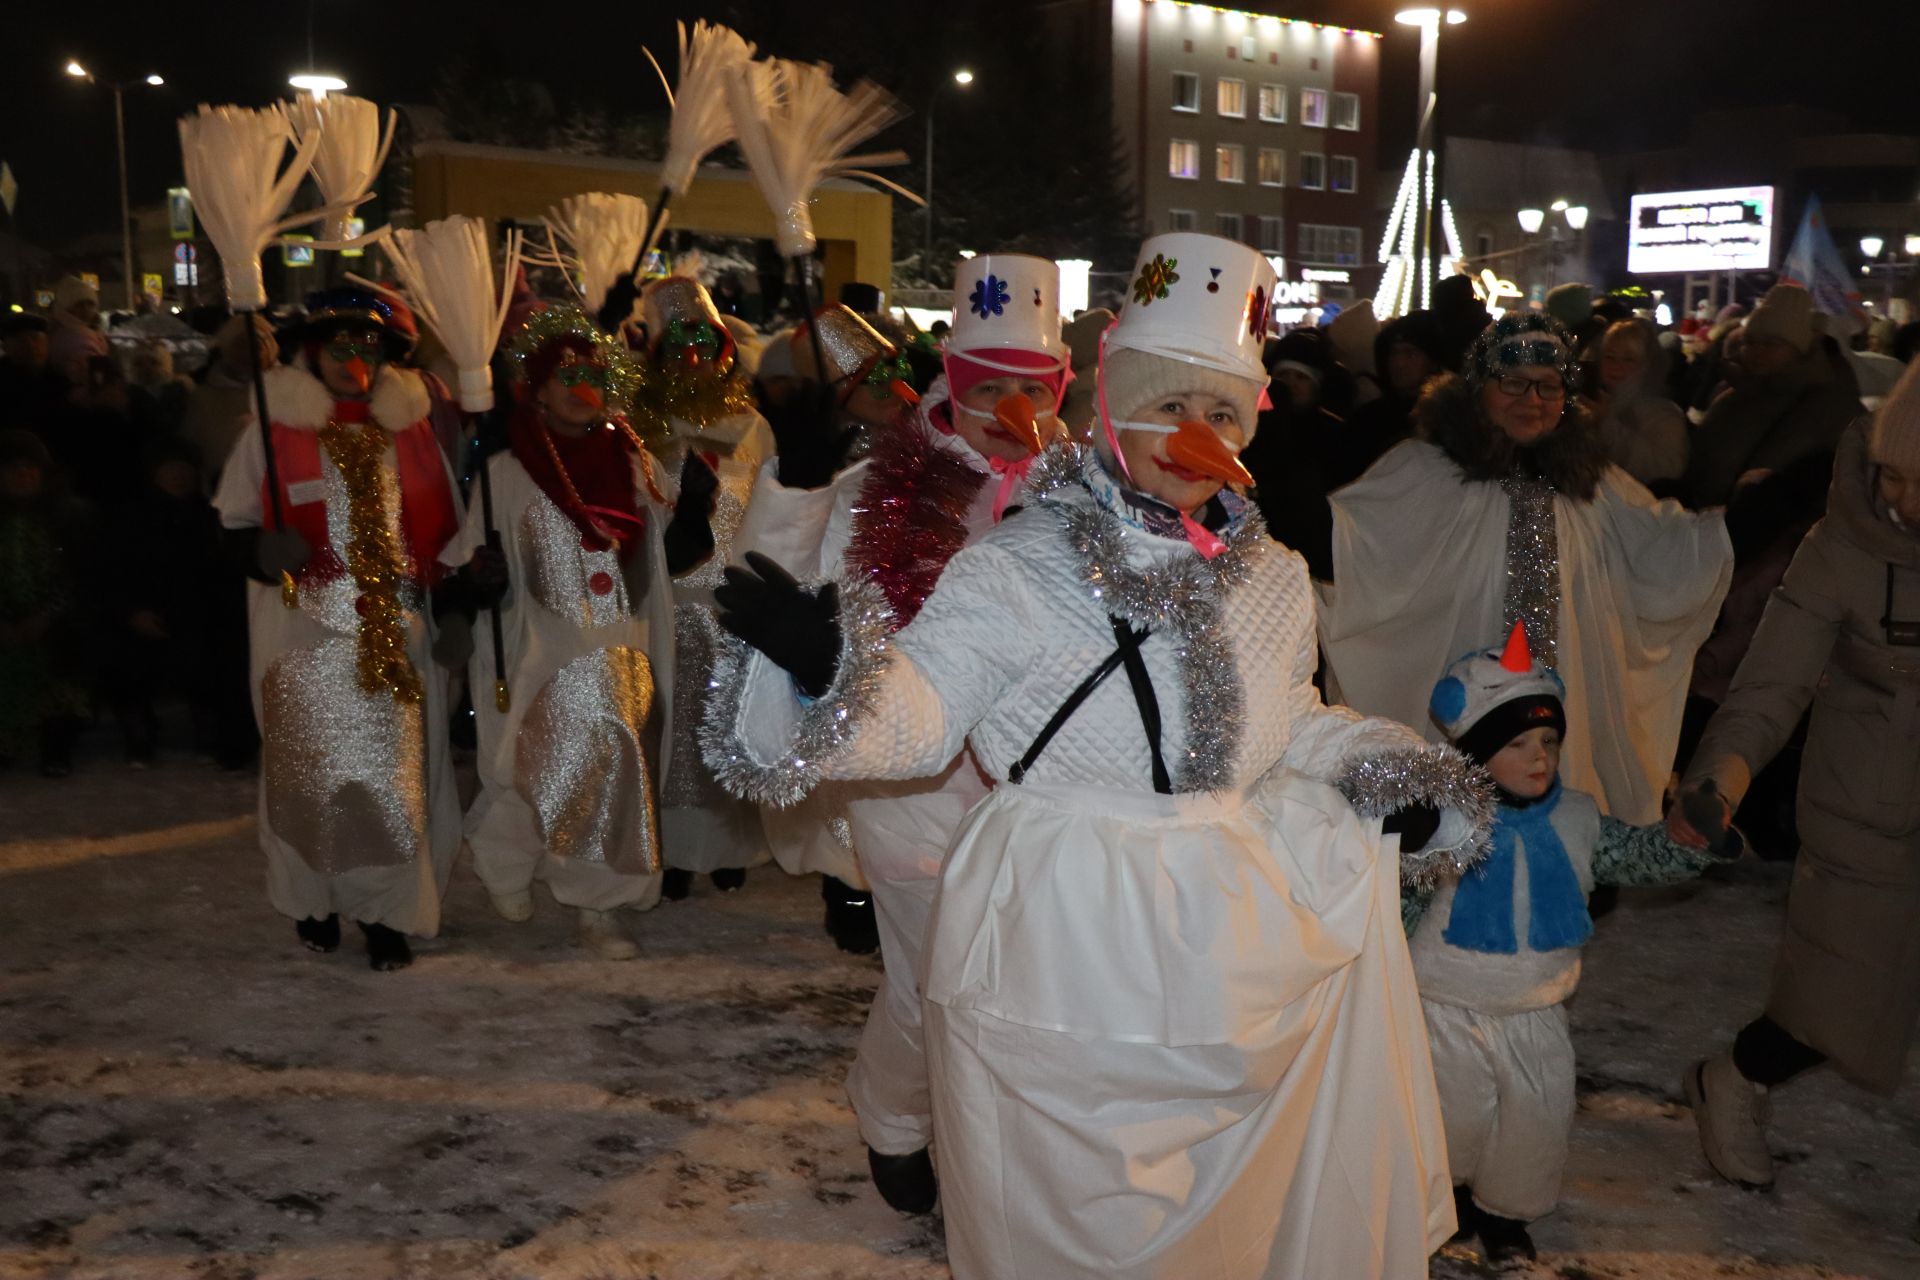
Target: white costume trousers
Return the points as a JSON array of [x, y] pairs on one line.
[[1506, 1095], [509, 856]]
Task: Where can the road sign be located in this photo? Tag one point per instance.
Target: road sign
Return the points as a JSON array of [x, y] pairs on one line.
[[153, 284], [179, 213]]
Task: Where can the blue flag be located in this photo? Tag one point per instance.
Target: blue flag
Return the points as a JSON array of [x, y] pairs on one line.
[[1814, 263]]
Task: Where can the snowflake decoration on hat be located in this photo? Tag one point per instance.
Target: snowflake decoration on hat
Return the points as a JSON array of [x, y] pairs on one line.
[[1257, 312], [989, 296], [1155, 279]]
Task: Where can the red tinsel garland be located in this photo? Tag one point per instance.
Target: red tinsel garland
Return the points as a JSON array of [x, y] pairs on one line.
[[911, 516]]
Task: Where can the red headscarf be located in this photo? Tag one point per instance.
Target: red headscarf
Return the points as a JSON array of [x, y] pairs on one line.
[[593, 481]]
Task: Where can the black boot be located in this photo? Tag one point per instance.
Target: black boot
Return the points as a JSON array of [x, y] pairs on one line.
[[317, 934], [728, 879], [905, 1182], [850, 921], [1505, 1240], [387, 949], [675, 884], [1466, 1213]]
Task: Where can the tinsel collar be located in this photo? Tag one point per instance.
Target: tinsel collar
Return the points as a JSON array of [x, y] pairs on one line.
[[1177, 592], [670, 392], [911, 516]]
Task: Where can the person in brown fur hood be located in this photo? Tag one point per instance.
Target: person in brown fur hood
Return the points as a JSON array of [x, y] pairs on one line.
[[1505, 509]]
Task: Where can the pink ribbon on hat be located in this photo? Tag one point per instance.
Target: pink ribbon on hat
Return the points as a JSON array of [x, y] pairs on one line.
[[1199, 537], [1012, 476]]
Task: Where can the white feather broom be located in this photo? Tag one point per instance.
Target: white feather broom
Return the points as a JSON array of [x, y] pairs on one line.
[[797, 130], [446, 276], [232, 157], [709, 56], [352, 149], [603, 234]]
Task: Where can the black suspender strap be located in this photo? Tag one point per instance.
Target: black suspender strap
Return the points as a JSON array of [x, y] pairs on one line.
[[1144, 698], [1127, 654]]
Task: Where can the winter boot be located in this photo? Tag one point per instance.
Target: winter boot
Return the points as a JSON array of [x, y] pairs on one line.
[[601, 934], [675, 884], [1505, 1240], [729, 879], [515, 904], [319, 935], [1731, 1112], [387, 949], [850, 921], [906, 1182]]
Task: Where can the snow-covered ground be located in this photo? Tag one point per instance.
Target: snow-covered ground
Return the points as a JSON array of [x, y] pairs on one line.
[[184, 1092]]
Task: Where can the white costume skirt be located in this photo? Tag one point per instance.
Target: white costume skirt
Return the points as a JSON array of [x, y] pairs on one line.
[[1178, 1036]]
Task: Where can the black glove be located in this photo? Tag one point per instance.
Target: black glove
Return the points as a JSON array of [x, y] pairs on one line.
[[262, 554], [619, 304], [480, 583], [1415, 825], [798, 630], [808, 437], [689, 535]]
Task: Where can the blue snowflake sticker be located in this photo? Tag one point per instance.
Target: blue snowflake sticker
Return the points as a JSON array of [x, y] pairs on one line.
[[989, 296]]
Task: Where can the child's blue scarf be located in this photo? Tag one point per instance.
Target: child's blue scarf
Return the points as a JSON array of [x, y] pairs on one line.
[[1482, 917]]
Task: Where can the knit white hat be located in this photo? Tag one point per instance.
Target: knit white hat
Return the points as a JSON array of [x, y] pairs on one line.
[[1894, 439], [1785, 313], [1480, 684]]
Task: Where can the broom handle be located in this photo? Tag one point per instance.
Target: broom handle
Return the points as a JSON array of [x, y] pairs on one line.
[[500, 695], [654, 218], [288, 591], [811, 314]]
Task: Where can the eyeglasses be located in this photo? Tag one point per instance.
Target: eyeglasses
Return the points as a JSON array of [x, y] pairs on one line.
[[1517, 386], [344, 348], [702, 336], [885, 373], [595, 375]]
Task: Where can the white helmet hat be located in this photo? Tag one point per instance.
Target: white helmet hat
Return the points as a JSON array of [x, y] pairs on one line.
[[1006, 302], [1201, 300]]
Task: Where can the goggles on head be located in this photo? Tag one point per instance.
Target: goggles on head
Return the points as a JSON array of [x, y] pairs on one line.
[[597, 376], [884, 373], [343, 347], [699, 334]]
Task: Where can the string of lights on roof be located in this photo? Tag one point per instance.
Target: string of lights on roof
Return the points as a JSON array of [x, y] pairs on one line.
[[1267, 18]]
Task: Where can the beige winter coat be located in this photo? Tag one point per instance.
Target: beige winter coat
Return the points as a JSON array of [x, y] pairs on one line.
[[1847, 977]]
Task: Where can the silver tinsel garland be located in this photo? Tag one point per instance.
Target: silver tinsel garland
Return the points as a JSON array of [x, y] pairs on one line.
[[1385, 782], [1178, 593], [825, 725], [1532, 592]]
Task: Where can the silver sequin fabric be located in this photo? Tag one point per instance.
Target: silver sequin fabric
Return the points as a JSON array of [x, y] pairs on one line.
[[690, 783], [561, 570], [345, 769], [579, 762], [1532, 592]]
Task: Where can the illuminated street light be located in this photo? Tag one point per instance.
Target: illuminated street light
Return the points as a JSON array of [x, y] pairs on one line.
[[1913, 246], [77, 71], [317, 83], [963, 76], [1428, 16], [1559, 206], [1576, 216], [1531, 220], [1872, 245], [155, 81]]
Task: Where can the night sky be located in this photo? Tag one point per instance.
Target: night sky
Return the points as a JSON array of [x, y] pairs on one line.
[[1573, 71]]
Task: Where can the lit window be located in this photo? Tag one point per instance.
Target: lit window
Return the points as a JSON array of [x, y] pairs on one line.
[[1230, 163], [1273, 167], [1248, 49], [1346, 111], [1273, 103], [1186, 91], [1183, 158], [1273, 235], [1179, 219], [1227, 226], [1232, 98], [1329, 246], [1313, 171], [1346, 173], [1313, 108]]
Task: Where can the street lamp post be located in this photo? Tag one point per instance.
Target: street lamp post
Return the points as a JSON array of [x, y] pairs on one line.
[[79, 72], [963, 77]]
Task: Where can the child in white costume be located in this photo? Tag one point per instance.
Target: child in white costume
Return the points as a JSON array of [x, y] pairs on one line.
[[930, 485], [359, 815], [1497, 950], [1171, 1025], [570, 756]]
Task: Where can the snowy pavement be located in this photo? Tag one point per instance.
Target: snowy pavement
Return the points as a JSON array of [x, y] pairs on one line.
[[186, 1093]]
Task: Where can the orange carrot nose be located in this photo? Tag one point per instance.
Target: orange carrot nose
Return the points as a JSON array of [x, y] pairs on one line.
[[360, 371], [588, 394], [690, 357], [904, 389], [1016, 417], [1196, 447]]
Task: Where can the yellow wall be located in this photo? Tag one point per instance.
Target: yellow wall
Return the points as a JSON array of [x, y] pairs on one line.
[[854, 223]]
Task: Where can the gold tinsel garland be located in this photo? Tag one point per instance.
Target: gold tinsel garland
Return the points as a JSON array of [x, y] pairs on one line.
[[376, 560], [697, 396]]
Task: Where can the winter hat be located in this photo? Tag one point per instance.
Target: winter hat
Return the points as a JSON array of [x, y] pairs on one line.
[[1571, 304], [1453, 298], [1351, 336], [1489, 698], [1521, 341], [69, 290], [1785, 313], [543, 342], [1894, 438], [1136, 381], [349, 306], [1304, 350], [1416, 329]]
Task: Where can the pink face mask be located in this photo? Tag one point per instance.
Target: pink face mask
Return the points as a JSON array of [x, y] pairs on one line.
[[1016, 415]]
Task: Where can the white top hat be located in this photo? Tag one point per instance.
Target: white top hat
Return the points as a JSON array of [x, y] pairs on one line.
[[1201, 300], [1006, 301]]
